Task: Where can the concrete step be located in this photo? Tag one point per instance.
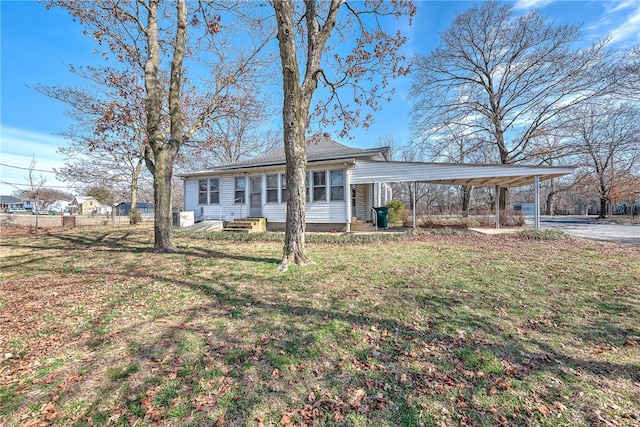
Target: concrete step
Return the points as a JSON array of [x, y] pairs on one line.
[[238, 230]]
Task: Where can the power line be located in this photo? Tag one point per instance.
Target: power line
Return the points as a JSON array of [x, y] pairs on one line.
[[26, 169], [15, 184]]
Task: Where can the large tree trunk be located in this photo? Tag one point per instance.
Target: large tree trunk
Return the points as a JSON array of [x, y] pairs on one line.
[[294, 251], [164, 152], [294, 115], [163, 222]]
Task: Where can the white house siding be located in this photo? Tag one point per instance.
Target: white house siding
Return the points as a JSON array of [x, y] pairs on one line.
[[190, 194], [333, 212]]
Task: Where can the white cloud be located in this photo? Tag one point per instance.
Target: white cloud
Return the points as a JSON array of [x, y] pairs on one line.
[[531, 4], [629, 29], [18, 148]]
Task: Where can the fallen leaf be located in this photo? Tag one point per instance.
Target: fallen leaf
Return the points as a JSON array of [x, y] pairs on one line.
[[285, 420], [544, 410]]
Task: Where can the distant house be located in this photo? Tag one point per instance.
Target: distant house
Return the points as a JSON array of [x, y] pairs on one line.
[[10, 202], [85, 205], [344, 184], [144, 209]]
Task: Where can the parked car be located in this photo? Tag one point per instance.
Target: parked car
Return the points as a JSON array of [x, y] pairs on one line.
[[16, 210], [40, 212]]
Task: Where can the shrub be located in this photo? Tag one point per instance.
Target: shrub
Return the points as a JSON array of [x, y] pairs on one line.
[[396, 208]]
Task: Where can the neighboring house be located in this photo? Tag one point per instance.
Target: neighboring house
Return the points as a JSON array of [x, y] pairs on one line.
[[85, 205], [10, 202], [344, 184], [144, 209]]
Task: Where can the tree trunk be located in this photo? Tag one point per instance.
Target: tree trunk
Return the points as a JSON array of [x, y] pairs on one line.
[[134, 217], [163, 221], [603, 208], [294, 115], [549, 204], [466, 199], [164, 152], [504, 196]]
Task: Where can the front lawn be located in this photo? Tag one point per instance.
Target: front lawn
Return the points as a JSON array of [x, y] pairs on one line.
[[96, 329]]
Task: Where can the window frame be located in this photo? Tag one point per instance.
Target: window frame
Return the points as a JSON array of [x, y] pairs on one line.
[[272, 190], [332, 186], [211, 192], [323, 186], [236, 180], [203, 192]]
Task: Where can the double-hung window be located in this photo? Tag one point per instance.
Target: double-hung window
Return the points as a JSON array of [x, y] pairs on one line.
[[272, 188], [202, 191], [240, 187], [214, 191], [337, 184], [319, 186], [208, 191]]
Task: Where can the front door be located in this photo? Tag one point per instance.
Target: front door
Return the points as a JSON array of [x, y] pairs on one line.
[[255, 197]]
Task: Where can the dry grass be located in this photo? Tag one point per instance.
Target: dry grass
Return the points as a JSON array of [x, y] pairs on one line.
[[96, 329]]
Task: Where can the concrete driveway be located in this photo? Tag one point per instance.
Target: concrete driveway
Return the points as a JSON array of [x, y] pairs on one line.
[[589, 227]]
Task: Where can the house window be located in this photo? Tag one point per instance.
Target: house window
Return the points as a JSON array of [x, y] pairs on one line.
[[272, 188], [337, 185], [202, 191], [283, 188], [240, 187], [308, 190], [319, 186], [214, 191]]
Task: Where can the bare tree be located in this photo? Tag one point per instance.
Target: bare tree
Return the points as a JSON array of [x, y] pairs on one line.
[[245, 132], [148, 38], [604, 136], [108, 140], [304, 33], [36, 184], [504, 79]]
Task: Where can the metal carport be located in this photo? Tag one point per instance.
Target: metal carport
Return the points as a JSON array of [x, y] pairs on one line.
[[498, 176]]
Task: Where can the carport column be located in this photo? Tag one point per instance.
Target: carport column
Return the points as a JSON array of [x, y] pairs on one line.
[[497, 203], [415, 225], [347, 196], [536, 202]]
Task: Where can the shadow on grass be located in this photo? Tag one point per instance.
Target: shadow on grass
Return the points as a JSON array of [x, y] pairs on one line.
[[240, 356], [393, 371]]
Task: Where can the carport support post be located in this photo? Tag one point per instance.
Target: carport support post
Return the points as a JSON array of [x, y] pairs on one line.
[[497, 203], [415, 225], [536, 202]]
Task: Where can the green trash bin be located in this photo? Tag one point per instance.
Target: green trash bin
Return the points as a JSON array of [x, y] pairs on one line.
[[382, 216]]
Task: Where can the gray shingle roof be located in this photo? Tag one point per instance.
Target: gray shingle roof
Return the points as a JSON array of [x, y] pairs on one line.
[[319, 147], [8, 200]]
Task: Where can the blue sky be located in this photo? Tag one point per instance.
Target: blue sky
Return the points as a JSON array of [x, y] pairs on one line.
[[37, 44]]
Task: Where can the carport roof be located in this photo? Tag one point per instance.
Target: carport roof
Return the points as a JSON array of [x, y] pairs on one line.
[[461, 174]]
